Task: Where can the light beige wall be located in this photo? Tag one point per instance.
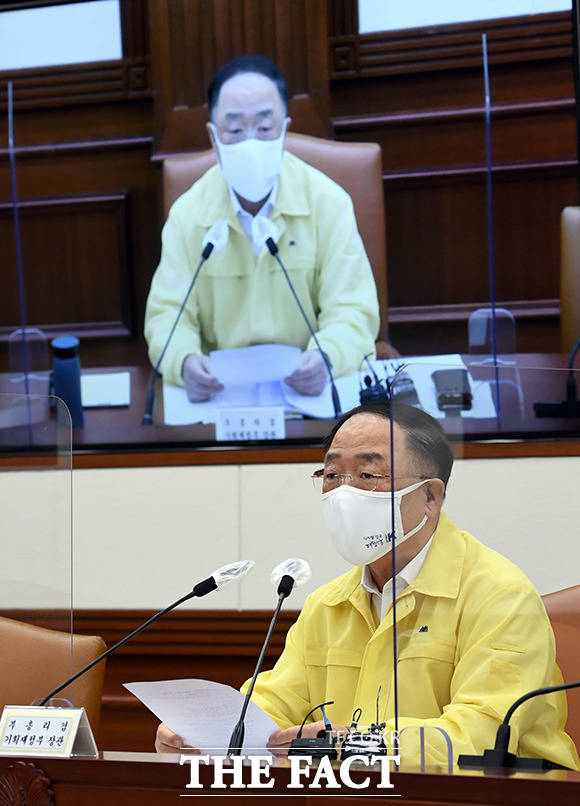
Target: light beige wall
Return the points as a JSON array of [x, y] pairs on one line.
[[143, 537]]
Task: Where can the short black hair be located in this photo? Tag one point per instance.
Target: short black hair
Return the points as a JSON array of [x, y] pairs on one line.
[[246, 64], [424, 435]]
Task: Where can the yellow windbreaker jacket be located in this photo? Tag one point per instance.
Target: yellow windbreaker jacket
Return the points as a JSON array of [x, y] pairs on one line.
[[472, 637], [241, 299]]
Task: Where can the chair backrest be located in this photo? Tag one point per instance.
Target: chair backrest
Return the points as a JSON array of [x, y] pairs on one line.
[[357, 167], [40, 659], [563, 608], [570, 277]]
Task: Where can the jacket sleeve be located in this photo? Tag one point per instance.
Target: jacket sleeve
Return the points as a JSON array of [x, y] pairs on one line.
[[348, 318], [505, 648], [168, 289]]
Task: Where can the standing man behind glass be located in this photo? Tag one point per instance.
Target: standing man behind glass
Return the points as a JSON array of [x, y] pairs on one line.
[[241, 296]]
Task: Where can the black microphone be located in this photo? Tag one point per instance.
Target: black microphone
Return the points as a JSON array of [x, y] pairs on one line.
[[215, 239], [499, 757], [273, 249], [216, 581], [372, 391], [287, 574], [563, 408]]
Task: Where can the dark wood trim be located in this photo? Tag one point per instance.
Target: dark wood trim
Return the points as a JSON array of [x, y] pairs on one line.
[[348, 123], [508, 171], [185, 458], [69, 201], [66, 85], [514, 449], [460, 312], [290, 455], [83, 330], [447, 47], [54, 149], [183, 632]]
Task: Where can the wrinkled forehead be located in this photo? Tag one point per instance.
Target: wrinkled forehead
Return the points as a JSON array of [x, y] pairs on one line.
[[248, 94], [367, 437]]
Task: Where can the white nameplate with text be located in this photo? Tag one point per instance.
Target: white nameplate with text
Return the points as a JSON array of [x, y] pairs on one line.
[[245, 424], [35, 731]]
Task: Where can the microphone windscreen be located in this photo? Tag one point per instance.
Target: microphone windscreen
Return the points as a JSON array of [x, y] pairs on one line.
[[228, 573], [262, 229], [217, 235], [295, 567]]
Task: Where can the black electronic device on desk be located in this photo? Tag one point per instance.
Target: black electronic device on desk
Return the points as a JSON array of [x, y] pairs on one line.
[[323, 744], [400, 386], [453, 390], [369, 743]]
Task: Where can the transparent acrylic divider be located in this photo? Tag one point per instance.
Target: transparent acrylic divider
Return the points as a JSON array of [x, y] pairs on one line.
[[471, 628], [36, 573]]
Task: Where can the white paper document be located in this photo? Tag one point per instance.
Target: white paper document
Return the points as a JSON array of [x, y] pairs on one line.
[[260, 363], [178, 410], [105, 389], [205, 713]]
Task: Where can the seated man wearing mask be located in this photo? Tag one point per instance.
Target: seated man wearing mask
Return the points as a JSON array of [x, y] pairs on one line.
[[472, 632], [241, 296]]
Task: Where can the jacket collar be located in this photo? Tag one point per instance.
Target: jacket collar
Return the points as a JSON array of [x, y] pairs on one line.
[[291, 199], [439, 576]]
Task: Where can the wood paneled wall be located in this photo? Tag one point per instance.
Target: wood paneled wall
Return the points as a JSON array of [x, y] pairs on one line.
[[420, 94], [86, 135]]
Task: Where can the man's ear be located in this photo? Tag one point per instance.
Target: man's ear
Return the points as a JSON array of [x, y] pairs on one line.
[[435, 492]]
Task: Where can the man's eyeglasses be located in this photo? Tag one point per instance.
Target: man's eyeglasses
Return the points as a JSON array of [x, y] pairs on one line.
[[326, 480]]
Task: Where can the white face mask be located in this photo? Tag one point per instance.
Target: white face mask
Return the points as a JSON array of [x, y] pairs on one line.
[[251, 166], [360, 524]]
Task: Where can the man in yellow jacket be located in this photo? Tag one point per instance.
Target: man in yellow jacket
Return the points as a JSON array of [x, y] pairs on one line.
[[472, 634], [241, 296]]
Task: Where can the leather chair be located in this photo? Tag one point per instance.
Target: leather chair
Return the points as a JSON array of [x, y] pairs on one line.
[[570, 277], [37, 660], [563, 608], [356, 167]]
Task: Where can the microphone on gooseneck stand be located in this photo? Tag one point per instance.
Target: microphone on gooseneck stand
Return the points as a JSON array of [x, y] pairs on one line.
[[269, 234], [499, 757], [218, 580], [289, 573], [215, 239]]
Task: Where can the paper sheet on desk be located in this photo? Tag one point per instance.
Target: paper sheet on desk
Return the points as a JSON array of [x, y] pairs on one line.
[[178, 410], [204, 713], [105, 389], [259, 363]]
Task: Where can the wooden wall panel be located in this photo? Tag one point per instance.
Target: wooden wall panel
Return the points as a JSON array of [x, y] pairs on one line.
[[420, 95], [191, 39], [76, 257]]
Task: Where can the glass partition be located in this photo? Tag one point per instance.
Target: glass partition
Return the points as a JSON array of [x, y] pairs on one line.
[[471, 627], [36, 573]]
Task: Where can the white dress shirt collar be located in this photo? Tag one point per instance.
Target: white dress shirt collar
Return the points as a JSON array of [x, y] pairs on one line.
[[380, 600], [246, 218]]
